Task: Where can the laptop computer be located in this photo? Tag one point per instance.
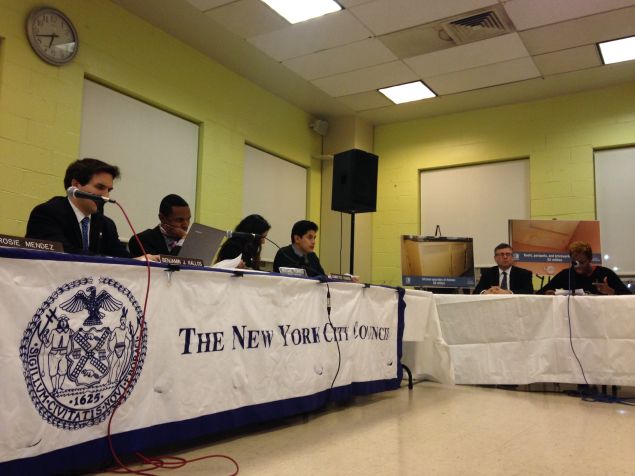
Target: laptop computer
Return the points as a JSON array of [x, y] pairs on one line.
[[202, 242]]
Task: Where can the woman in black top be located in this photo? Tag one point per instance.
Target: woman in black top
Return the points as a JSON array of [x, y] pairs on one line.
[[249, 246], [583, 274]]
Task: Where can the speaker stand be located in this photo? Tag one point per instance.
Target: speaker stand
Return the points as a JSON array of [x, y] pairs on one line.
[[352, 255]]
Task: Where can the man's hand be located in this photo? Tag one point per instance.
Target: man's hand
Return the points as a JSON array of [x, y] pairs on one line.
[[150, 258], [604, 287], [174, 231], [497, 290]]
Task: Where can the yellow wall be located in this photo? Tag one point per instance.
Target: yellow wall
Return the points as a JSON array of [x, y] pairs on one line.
[[345, 133], [40, 117], [40, 109], [558, 135]]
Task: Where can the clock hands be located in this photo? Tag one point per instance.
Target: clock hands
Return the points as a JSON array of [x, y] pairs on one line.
[[52, 36]]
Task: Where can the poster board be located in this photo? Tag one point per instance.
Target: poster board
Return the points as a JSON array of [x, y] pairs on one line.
[[441, 262], [542, 246]]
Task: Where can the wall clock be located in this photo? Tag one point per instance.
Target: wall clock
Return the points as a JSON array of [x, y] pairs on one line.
[[52, 35]]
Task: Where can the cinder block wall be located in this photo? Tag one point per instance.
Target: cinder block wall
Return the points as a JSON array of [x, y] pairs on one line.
[[40, 109], [558, 135]]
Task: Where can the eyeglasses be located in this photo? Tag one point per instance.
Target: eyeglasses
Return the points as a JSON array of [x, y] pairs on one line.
[[582, 262]]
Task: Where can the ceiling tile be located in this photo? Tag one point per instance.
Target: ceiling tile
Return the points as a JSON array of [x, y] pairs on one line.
[[204, 5], [583, 31], [416, 41], [247, 18], [564, 61], [329, 31], [358, 55], [367, 79], [483, 76], [352, 3], [492, 50], [559, 48], [533, 13], [511, 93], [385, 16], [365, 101]]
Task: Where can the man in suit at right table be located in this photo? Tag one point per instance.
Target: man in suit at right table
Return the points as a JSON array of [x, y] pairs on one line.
[[505, 278]]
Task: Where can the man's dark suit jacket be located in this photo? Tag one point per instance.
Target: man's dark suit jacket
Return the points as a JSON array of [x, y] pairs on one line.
[[153, 242], [55, 220], [519, 279], [286, 258]]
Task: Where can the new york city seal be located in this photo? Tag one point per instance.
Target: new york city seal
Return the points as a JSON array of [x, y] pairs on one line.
[[78, 350]]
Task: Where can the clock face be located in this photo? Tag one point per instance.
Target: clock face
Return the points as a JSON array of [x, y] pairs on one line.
[[52, 35]]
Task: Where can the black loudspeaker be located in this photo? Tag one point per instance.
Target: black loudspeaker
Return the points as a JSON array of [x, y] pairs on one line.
[[354, 182]]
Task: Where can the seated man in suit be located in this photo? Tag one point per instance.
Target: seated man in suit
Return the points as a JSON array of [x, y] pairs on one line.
[[167, 237], [299, 254], [504, 278], [79, 223], [582, 274]]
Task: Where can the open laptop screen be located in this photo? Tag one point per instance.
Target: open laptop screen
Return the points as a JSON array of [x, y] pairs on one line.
[[202, 242]]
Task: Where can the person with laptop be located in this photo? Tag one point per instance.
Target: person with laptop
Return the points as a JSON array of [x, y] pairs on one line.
[[299, 254], [582, 274], [248, 240], [504, 278], [167, 237]]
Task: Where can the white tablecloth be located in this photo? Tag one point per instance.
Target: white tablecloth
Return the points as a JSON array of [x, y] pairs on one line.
[[524, 339]]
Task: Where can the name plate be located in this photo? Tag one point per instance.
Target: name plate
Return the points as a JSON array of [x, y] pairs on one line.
[[30, 243], [341, 277], [180, 261], [293, 271]]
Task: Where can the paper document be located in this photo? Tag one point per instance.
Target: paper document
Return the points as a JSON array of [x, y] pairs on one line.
[[229, 263]]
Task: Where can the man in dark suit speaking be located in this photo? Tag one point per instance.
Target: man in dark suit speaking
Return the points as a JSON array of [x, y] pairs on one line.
[[78, 223], [504, 278]]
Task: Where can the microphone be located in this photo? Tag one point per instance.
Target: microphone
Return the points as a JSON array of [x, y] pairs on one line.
[[241, 234], [77, 193], [574, 264]]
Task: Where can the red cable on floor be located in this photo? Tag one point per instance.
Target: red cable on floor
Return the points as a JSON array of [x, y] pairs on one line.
[[157, 462]]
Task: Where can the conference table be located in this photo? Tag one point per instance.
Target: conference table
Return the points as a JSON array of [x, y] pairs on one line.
[[219, 350], [520, 339], [222, 349]]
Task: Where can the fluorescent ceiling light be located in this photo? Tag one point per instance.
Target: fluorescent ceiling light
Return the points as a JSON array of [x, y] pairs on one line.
[[618, 50], [295, 11], [407, 92]]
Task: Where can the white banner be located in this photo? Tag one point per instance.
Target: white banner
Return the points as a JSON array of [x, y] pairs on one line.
[[216, 343], [521, 339]]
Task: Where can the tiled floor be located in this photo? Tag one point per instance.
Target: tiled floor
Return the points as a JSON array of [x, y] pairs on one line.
[[436, 429]]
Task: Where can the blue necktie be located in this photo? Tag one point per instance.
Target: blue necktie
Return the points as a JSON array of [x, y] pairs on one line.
[[85, 221], [504, 281]]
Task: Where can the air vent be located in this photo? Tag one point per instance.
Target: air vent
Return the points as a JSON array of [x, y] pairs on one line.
[[478, 26], [468, 27]]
